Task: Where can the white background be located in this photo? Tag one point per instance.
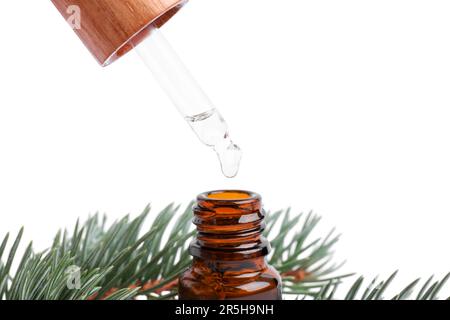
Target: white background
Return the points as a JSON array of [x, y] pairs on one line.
[[341, 107]]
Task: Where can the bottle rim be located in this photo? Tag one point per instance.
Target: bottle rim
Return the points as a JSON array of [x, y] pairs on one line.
[[227, 196]]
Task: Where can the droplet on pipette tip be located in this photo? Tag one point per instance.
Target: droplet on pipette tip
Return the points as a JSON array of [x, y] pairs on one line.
[[230, 158], [212, 130]]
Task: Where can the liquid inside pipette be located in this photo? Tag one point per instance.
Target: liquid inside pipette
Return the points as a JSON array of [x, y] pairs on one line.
[[190, 100]]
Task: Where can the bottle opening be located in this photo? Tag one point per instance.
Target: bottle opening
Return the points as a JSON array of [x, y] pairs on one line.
[[229, 195]]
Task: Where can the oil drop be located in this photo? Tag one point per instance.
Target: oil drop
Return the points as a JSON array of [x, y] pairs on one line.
[[190, 100], [212, 130]]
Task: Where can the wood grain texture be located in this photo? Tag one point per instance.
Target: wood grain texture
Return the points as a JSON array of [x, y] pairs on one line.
[[110, 28]]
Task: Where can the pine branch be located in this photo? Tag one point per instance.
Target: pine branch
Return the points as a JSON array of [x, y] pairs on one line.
[[115, 262], [304, 264], [376, 292], [123, 261]]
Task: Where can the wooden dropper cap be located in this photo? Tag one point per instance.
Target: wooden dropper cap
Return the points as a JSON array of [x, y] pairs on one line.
[[110, 28]]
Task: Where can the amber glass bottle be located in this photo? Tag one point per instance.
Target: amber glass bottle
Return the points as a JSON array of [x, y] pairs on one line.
[[229, 251]]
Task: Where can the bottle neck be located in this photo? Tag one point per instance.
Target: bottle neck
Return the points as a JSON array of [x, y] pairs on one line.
[[230, 226]]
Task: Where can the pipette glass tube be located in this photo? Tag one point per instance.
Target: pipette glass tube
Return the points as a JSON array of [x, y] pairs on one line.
[[190, 100]]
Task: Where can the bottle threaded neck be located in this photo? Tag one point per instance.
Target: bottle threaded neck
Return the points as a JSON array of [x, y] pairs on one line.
[[230, 225]]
